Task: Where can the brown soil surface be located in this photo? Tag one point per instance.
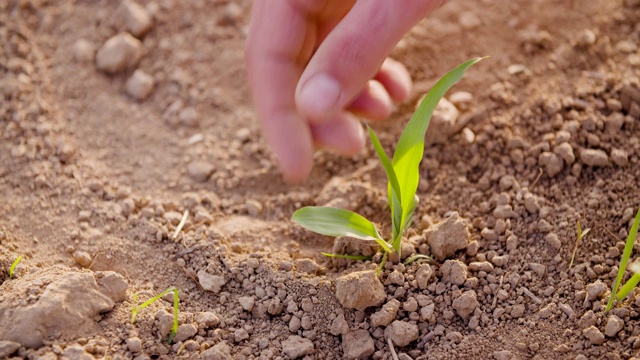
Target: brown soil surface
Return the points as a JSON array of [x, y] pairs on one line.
[[93, 184]]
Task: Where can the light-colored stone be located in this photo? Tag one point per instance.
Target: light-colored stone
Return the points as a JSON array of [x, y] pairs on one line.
[[594, 157], [360, 290], [596, 290], [82, 258], [423, 275], [339, 326], [503, 355], [454, 272], [447, 237], [565, 151], [386, 314], [199, 170], [220, 351], [184, 332], [7, 348], [594, 335], [207, 319], [134, 344], [119, 53], [481, 266], [614, 325], [213, 283], [133, 18], [517, 311], [247, 302], [402, 333], [357, 345], [68, 306], [295, 347], [76, 352], [444, 123], [587, 319], [465, 304], [620, 157], [139, 85], [551, 162]]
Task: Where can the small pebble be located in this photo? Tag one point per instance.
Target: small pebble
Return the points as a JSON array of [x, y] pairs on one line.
[[139, 85], [119, 53], [82, 258]]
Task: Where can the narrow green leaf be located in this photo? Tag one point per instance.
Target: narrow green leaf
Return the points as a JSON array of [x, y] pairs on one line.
[[174, 327], [393, 189], [626, 254], [418, 258], [408, 154], [337, 222], [344, 256], [626, 289], [12, 269], [412, 208], [386, 163]]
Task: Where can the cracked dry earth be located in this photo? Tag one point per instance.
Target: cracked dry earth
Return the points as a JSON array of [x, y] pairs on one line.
[[118, 118]]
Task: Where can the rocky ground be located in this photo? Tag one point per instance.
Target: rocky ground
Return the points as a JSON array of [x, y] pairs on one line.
[[120, 119]]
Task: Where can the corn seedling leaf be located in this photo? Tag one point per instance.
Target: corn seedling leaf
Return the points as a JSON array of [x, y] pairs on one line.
[[408, 154], [344, 256], [627, 287], [393, 189], [626, 254], [135, 309], [12, 269], [338, 222]]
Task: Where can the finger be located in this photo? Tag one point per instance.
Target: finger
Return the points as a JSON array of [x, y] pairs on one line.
[[373, 102], [354, 52], [342, 134], [396, 79], [275, 53]]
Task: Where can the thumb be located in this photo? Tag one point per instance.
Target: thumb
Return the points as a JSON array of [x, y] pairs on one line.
[[353, 52]]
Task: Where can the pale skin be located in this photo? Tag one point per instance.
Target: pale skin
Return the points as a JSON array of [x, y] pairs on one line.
[[315, 66]]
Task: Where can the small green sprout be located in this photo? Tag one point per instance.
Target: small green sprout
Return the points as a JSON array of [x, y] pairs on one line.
[[135, 309], [581, 234], [12, 269], [402, 173], [418, 258], [626, 254]]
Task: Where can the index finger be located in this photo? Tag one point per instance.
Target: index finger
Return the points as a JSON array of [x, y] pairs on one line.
[[274, 61]]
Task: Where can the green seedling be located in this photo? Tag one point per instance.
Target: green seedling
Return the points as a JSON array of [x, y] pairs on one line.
[[581, 234], [402, 173], [135, 309], [418, 258], [12, 269], [626, 254]]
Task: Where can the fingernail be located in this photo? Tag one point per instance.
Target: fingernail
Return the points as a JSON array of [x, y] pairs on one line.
[[319, 96]]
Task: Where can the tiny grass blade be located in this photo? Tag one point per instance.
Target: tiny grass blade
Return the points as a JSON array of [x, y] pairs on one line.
[[393, 189], [135, 309], [344, 256], [174, 327], [626, 254], [418, 258], [408, 154], [12, 269], [580, 235], [337, 222]]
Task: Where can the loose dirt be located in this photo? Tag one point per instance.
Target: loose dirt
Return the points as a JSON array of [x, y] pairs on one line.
[[105, 149]]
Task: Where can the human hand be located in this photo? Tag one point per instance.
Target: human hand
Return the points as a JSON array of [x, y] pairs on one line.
[[313, 65]]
